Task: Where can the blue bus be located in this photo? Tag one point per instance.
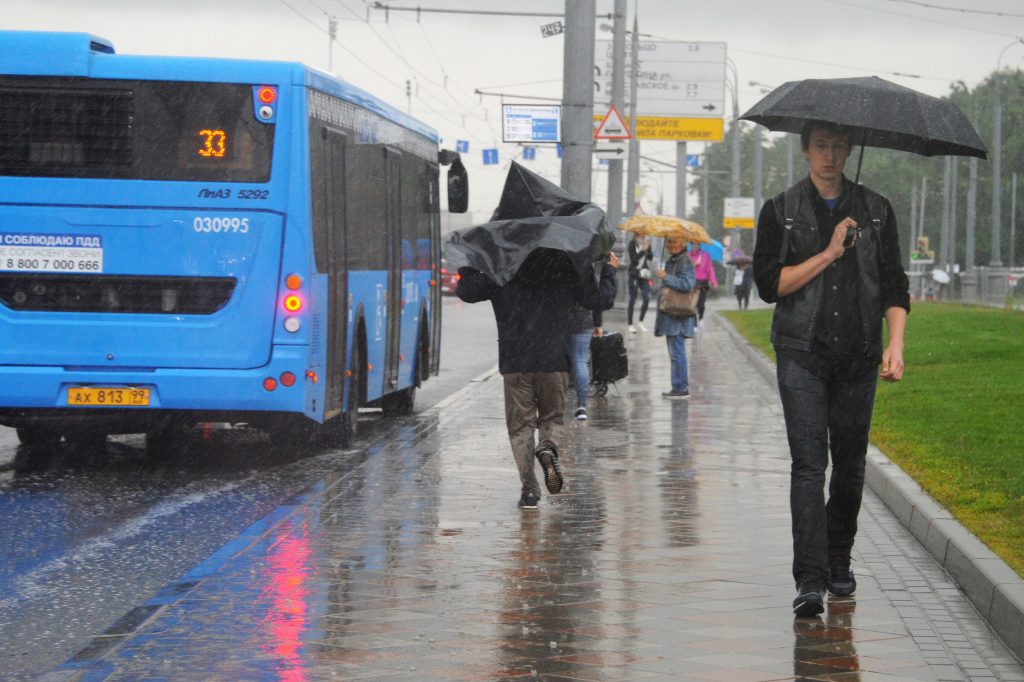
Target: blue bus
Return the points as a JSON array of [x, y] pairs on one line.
[[189, 240]]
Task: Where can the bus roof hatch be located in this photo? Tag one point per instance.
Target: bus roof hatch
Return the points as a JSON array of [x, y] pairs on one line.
[[25, 53]]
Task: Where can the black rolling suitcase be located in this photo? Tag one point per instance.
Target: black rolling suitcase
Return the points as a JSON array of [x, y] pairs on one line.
[[608, 360]]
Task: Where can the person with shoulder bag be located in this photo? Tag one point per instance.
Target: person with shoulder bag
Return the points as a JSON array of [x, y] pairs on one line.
[[677, 277]]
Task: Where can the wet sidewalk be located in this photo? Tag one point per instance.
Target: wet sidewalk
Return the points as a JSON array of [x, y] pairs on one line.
[[666, 557]]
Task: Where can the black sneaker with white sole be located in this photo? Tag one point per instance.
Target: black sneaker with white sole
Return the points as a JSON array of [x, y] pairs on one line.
[[809, 601], [547, 455], [841, 581], [529, 500]]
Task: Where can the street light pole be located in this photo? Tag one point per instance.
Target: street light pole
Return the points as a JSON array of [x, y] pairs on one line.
[[618, 94], [578, 98], [996, 260]]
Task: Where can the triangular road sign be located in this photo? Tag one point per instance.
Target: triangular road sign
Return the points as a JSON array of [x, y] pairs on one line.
[[613, 127]]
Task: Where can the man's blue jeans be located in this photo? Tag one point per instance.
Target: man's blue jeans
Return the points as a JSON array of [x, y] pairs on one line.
[[581, 370], [677, 358], [823, 415]]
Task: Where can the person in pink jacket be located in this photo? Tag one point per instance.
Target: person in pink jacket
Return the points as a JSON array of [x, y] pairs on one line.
[[705, 273]]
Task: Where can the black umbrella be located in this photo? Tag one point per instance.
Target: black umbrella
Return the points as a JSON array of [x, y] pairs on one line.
[[879, 113], [533, 215]]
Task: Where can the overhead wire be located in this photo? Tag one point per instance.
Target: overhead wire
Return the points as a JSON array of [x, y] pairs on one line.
[[920, 18], [965, 10]]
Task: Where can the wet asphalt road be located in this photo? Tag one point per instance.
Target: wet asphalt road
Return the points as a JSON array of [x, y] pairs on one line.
[[84, 543]]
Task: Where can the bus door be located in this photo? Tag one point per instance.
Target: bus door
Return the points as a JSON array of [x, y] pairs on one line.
[[337, 266], [393, 203]]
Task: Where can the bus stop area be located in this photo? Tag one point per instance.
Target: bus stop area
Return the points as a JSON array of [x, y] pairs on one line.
[[665, 557]]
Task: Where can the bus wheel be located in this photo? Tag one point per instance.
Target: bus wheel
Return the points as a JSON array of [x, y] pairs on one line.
[[350, 419], [399, 403], [38, 437]]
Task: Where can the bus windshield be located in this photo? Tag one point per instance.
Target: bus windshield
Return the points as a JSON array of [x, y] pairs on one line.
[[142, 130]]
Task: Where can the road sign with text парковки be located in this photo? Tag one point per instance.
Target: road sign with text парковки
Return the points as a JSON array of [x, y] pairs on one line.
[[680, 88]]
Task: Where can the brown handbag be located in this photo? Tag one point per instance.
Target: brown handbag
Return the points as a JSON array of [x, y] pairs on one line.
[[678, 303]]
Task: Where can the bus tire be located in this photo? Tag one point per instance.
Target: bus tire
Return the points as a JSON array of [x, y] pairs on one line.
[[399, 403], [350, 418], [38, 437]]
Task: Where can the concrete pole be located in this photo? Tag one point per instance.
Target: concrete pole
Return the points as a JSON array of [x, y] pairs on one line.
[[953, 173], [633, 170], [707, 172], [924, 201], [944, 235], [972, 211], [1013, 219], [913, 220], [758, 171], [681, 166], [578, 98], [618, 97], [996, 260]]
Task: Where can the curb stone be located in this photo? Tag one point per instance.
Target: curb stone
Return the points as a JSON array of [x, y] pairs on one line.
[[995, 589]]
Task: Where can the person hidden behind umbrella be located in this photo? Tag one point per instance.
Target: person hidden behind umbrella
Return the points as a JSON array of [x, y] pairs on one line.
[[534, 348], [677, 274], [827, 254]]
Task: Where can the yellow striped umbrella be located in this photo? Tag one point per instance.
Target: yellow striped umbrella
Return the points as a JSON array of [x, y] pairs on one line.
[[666, 226]]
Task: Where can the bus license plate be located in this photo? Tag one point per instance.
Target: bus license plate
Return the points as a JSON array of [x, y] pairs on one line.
[[108, 397]]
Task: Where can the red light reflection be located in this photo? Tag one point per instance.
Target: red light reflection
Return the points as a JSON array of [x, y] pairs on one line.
[[285, 598]]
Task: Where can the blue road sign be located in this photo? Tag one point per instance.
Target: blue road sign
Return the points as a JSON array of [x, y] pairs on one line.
[[558, 149], [529, 153], [462, 146], [693, 160], [490, 157]]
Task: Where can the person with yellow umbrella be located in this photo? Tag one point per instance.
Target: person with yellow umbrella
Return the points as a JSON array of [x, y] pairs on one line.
[[677, 273]]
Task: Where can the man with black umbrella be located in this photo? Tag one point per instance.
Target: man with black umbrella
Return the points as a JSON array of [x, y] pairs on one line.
[[827, 254]]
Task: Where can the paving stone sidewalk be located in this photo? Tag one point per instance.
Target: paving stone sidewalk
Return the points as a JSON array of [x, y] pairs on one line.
[[666, 557]]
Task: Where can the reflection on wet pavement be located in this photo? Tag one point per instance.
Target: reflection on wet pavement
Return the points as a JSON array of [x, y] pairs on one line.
[[667, 556]]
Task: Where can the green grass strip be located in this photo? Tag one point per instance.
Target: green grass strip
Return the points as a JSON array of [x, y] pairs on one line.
[[956, 421]]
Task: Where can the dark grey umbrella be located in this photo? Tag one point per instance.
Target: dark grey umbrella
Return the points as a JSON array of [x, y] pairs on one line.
[[534, 216], [880, 114]]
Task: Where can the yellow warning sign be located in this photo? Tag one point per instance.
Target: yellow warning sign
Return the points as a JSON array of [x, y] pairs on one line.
[[678, 129]]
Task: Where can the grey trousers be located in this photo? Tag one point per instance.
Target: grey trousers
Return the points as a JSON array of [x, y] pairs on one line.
[[534, 401]]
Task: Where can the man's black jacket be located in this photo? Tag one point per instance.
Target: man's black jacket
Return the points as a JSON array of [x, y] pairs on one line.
[[533, 310]]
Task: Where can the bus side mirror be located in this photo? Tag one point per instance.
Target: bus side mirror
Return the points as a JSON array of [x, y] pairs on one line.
[[458, 188]]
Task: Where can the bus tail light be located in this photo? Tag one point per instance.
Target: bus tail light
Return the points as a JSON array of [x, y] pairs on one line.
[[287, 379], [292, 324], [292, 303], [293, 282], [270, 383], [312, 376]]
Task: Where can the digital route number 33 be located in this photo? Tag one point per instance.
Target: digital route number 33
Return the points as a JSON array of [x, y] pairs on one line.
[[214, 143]]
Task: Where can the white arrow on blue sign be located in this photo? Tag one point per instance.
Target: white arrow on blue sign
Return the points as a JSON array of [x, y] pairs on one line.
[[529, 153], [462, 146], [693, 160], [490, 157]]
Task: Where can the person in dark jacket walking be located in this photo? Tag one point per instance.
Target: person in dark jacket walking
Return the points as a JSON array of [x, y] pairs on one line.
[[827, 254], [534, 347], [743, 281], [638, 277]]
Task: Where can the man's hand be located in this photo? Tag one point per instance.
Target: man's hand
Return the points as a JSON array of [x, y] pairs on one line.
[[835, 247], [892, 364], [613, 260]]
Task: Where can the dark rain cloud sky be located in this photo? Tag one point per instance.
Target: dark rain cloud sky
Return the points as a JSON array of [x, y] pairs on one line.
[[448, 56]]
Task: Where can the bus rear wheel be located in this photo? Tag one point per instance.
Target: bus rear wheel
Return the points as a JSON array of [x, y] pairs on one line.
[[38, 437]]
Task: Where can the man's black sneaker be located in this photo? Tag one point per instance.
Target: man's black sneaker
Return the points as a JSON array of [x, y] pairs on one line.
[[529, 500], [547, 455], [841, 582], [810, 601], [676, 395]]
